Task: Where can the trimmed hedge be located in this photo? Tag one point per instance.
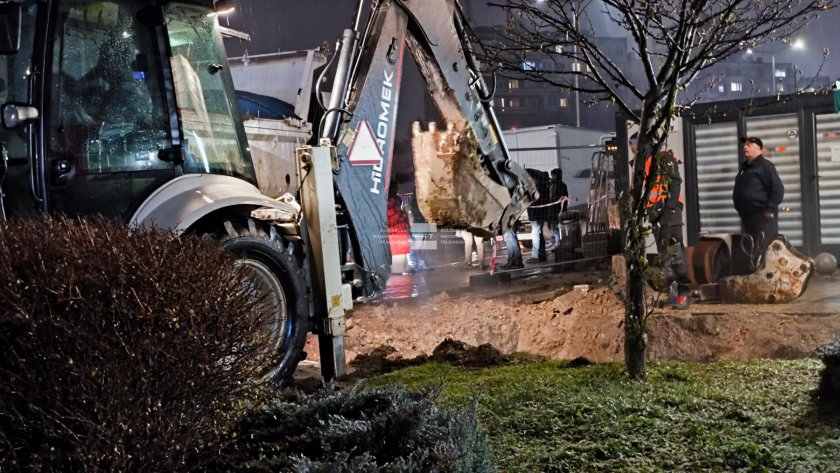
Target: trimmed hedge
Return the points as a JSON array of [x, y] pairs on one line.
[[383, 430], [122, 351], [829, 388]]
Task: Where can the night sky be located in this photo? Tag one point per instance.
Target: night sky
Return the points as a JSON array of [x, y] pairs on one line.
[[286, 25]]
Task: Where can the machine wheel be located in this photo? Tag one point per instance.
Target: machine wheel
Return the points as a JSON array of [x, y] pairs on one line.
[[274, 269]]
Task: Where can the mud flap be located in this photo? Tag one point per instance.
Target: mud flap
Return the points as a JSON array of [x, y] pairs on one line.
[[782, 277], [452, 188]]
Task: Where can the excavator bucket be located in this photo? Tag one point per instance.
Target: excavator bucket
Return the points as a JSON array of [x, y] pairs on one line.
[[782, 277], [452, 188]]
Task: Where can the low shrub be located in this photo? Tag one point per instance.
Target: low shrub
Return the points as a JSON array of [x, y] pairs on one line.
[[122, 351], [383, 430], [829, 387]]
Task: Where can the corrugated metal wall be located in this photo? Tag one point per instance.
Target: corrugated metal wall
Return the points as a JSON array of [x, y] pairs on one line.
[[801, 136], [717, 164], [717, 147], [828, 166]]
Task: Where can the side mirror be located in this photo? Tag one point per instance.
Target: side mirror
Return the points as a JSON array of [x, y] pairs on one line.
[[11, 16], [15, 115]]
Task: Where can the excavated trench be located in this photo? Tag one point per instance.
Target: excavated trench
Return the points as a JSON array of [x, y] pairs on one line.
[[546, 318]]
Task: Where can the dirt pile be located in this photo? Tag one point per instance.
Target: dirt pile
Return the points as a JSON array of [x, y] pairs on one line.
[[576, 324], [588, 324], [384, 359]]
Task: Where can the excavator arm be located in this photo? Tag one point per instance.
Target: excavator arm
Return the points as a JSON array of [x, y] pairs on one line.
[[468, 181], [464, 176]]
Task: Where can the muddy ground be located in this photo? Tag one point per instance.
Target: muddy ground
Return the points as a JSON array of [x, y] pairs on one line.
[[546, 317]]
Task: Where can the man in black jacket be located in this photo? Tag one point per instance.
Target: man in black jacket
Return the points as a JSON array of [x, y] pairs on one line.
[[557, 189], [538, 214], [757, 194]]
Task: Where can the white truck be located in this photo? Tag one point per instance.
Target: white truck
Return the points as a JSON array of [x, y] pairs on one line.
[[558, 146]]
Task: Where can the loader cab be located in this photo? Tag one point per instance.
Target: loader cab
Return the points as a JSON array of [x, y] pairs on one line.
[[15, 94], [128, 95]]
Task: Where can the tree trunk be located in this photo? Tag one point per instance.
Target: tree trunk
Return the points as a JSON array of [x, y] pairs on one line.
[[635, 305], [635, 338]]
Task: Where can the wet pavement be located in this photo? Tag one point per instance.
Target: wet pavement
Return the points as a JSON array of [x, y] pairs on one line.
[[422, 284], [454, 279], [822, 290]]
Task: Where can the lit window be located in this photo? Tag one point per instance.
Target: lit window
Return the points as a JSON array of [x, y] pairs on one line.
[[735, 87], [514, 103], [513, 84], [781, 73], [503, 103], [529, 65], [721, 88], [578, 67], [564, 103], [558, 49]]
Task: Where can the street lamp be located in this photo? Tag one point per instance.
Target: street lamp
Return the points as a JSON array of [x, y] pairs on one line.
[[577, 92]]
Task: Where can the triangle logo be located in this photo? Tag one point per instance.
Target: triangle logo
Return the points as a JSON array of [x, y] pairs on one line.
[[364, 151]]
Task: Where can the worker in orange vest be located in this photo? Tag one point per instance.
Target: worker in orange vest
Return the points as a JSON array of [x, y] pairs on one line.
[[664, 209]]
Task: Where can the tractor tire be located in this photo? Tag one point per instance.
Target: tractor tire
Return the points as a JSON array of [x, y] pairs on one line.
[[274, 268]]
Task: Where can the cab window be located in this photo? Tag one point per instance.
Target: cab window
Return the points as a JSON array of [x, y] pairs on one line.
[[107, 110], [214, 141]]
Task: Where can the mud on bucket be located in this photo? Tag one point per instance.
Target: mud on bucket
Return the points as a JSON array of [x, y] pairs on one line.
[[452, 189]]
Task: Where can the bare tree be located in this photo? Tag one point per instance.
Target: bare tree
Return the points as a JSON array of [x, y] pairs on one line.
[[673, 42]]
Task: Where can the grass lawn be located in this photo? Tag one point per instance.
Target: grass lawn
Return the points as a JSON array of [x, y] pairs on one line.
[[547, 416]]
